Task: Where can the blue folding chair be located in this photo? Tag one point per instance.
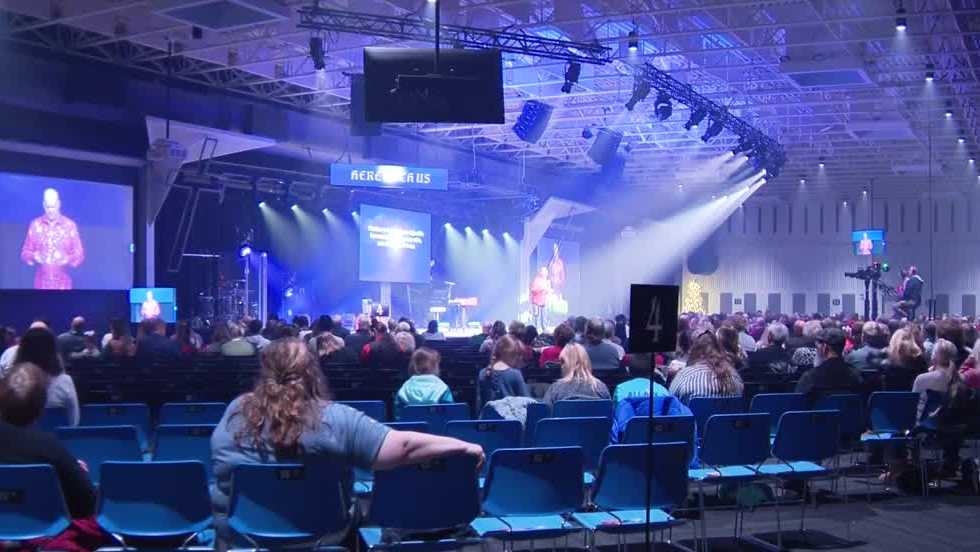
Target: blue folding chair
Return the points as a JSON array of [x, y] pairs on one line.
[[592, 434], [582, 409], [851, 410], [374, 409], [704, 408], [666, 429], [131, 414], [276, 505], [154, 500], [31, 503], [489, 434], [619, 491], [775, 404], [436, 415], [184, 442], [364, 479], [535, 413], [444, 494], [891, 415], [422, 427], [191, 413], [51, 419], [99, 444], [528, 493]]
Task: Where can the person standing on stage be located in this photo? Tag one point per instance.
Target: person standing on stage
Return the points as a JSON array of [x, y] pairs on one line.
[[556, 271], [540, 289], [52, 244], [865, 246], [911, 294], [150, 308]]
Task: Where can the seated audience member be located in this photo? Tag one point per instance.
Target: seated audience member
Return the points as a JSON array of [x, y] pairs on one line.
[[432, 332], [407, 326], [497, 330], [771, 361], [383, 353], [287, 417], [324, 328], [361, 335], [237, 346], [745, 341], [253, 334], [638, 386], [610, 328], [91, 349], [929, 338], [184, 337], [38, 347], [904, 363], [22, 399], [728, 340], [302, 323], [621, 330], [955, 406], [679, 360], [8, 338], [580, 324], [577, 381], [941, 375], [952, 331], [831, 373], [564, 334], [603, 355], [664, 404], [406, 342], [338, 327], [478, 339], [501, 378], [873, 349], [10, 353], [72, 341], [708, 373], [805, 356], [796, 338], [154, 342], [219, 336], [118, 342], [330, 350], [970, 371], [424, 386]]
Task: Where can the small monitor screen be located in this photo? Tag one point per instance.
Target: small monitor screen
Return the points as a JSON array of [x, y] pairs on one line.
[[867, 243], [394, 245], [150, 303]]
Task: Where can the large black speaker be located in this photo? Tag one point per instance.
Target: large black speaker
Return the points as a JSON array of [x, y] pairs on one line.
[[359, 125], [605, 146]]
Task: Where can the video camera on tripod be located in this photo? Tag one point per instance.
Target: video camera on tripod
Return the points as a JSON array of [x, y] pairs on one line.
[[869, 273]]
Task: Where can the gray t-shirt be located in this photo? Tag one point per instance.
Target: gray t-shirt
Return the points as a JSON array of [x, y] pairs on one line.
[[604, 356], [344, 434]]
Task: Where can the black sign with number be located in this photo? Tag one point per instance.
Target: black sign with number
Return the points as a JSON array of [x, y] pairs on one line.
[[653, 318]]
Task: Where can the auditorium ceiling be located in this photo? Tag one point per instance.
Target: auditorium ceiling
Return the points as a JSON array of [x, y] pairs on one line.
[[835, 82]]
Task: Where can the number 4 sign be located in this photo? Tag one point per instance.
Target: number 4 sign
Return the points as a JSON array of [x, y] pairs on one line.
[[653, 318]]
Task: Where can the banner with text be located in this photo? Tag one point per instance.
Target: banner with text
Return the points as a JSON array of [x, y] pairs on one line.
[[388, 176]]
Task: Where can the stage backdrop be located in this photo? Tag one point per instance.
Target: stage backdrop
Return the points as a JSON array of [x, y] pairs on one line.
[[102, 214]]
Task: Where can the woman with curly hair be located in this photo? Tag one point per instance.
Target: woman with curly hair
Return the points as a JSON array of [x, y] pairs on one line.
[[709, 371]]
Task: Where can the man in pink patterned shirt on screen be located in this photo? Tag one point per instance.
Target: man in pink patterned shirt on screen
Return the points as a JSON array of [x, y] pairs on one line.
[[52, 244]]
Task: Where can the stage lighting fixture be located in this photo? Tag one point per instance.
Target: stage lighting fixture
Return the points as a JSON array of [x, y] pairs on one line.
[[245, 249], [949, 111], [447, 225], [697, 115], [961, 139], [663, 107], [972, 159], [901, 22], [533, 121], [263, 204], [572, 72], [485, 231], [353, 214], [820, 164], [468, 229], [587, 133], [714, 129], [317, 54], [930, 72], [506, 234], [289, 292], [294, 207], [641, 89], [325, 210], [628, 147], [802, 181], [634, 41], [745, 145]]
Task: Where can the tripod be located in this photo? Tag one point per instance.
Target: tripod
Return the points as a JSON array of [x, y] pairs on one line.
[[871, 299]]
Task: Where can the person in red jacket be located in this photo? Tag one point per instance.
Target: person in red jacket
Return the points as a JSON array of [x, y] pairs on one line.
[[540, 289]]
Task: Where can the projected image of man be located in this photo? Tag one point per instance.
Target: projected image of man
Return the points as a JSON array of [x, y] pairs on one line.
[[540, 290], [556, 271], [150, 308], [52, 245]]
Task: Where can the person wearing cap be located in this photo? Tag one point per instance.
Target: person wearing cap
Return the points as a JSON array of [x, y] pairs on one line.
[[831, 373]]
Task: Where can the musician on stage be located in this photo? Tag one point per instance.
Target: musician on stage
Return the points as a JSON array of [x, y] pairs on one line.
[[911, 294], [540, 290], [556, 270]]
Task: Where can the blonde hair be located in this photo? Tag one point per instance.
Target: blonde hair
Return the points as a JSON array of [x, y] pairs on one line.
[[903, 346], [944, 355], [405, 341], [576, 365], [424, 361]]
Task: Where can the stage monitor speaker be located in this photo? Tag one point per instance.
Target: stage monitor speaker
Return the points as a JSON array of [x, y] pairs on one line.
[[533, 121], [605, 146], [359, 125]]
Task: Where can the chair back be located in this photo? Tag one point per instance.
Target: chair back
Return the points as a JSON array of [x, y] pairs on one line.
[[735, 439], [775, 404], [436, 415], [96, 445], [892, 411], [131, 414], [809, 435], [706, 407], [592, 434], [51, 419], [582, 409], [536, 412], [374, 409], [191, 413], [489, 434], [445, 494], [852, 422], [488, 413], [421, 427], [666, 429], [31, 503], [279, 503], [184, 442], [534, 481], [154, 499], [623, 467]]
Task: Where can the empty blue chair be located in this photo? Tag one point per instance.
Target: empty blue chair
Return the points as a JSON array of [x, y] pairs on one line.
[[191, 413], [592, 434], [96, 445], [529, 491], [891, 415], [851, 410], [131, 414], [154, 500], [184, 442], [374, 409], [535, 413], [444, 494], [619, 489], [436, 415], [706, 407], [32, 505], [51, 419], [275, 505], [489, 434], [666, 429], [582, 409], [775, 404]]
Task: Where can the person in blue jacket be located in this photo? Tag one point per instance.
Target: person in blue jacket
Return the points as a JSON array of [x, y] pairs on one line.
[[424, 386]]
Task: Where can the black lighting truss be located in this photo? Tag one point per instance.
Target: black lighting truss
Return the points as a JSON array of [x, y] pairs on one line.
[[325, 19], [684, 93]]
